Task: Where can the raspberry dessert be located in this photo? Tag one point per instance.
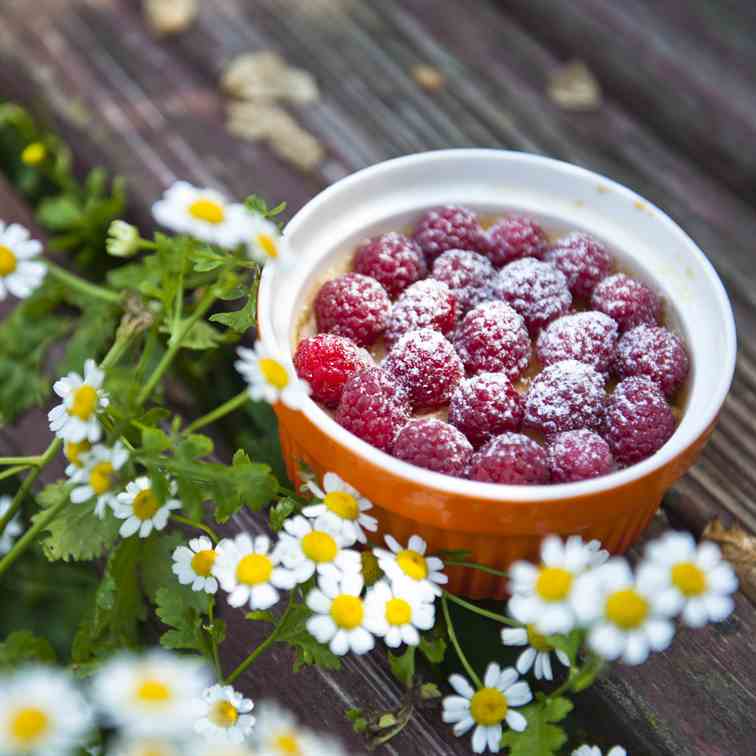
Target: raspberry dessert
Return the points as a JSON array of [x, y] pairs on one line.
[[434, 445], [326, 362], [513, 238], [450, 227], [425, 363], [354, 306], [510, 458], [583, 260], [578, 455], [626, 300], [393, 260], [589, 337], [467, 274], [425, 304]]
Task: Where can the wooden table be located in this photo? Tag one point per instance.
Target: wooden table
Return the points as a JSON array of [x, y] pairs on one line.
[[677, 122]]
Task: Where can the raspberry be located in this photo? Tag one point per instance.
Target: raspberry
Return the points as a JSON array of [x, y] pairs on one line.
[[567, 395], [391, 259], [425, 304], [468, 276], [425, 363], [578, 455], [583, 260], [626, 300], [485, 406], [492, 338], [655, 352], [434, 445], [537, 290], [638, 420], [510, 458], [450, 227], [354, 306], [374, 407], [589, 337], [326, 362], [514, 238]]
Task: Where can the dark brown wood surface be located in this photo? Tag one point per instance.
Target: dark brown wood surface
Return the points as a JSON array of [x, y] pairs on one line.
[[677, 123]]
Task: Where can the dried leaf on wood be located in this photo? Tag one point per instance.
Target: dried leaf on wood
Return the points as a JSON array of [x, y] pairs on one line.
[[574, 87], [739, 549], [428, 77]]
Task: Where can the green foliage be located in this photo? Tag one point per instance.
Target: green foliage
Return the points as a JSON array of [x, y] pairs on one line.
[[542, 737], [293, 631], [183, 610], [239, 320], [403, 666], [23, 647], [570, 643], [280, 511], [157, 562], [434, 649]]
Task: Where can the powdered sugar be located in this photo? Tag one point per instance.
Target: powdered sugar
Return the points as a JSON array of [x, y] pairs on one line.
[[425, 304], [583, 260], [578, 455], [449, 227], [589, 337], [468, 275], [510, 458], [394, 260], [515, 237], [626, 300], [434, 445]]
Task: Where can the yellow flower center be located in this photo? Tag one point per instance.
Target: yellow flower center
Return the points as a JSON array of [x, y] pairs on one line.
[[398, 612], [488, 706], [274, 372], [412, 564], [223, 714], [287, 745], [319, 546], [155, 749], [145, 504], [101, 477], [342, 504], [537, 641], [74, 450], [153, 692], [347, 611], [84, 402], [208, 211], [29, 725], [553, 583], [371, 572], [688, 579], [7, 261], [34, 153], [626, 608], [203, 561], [254, 569], [268, 245]]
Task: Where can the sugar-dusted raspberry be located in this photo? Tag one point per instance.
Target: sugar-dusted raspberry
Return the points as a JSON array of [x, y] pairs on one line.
[[638, 420], [492, 338], [391, 259], [425, 304], [578, 455], [468, 275], [434, 445], [583, 260], [567, 395], [485, 406], [655, 352], [626, 300], [515, 237], [354, 306], [450, 227], [510, 458], [589, 337], [326, 361], [425, 363], [537, 290], [374, 407]]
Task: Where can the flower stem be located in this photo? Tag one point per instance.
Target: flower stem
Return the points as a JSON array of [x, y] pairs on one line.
[[11, 471], [213, 643], [25, 461], [482, 612], [476, 566], [85, 287], [198, 525], [221, 411], [453, 638]]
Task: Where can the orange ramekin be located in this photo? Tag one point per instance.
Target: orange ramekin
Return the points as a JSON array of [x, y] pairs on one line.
[[501, 523]]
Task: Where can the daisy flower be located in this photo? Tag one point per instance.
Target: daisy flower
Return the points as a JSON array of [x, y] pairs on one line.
[[75, 418], [123, 239], [249, 572], [339, 614], [341, 507], [269, 379], [541, 594], [537, 655], [157, 694], [221, 749], [265, 245], [487, 708], [74, 452], [397, 563], [587, 750], [12, 529], [626, 615], [145, 747], [141, 509], [96, 478], [20, 273], [41, 714], [194, 564], [396, 612], [226, 717], [694, 581], [306, 549]]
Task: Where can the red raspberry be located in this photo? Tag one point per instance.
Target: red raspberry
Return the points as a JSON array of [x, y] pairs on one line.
[[326, 362], [434, 445], [425, 363], [391, 259], [468, 276], [578, 455], [655, 352], [583, 260], [510, 458], [425, 304], [374, 407], [354, 306], [626, 300], [567, 395], [514, 238], [638, 420], [537, 290], [485, 406], [492, 338], [450, 227], [589, 337]]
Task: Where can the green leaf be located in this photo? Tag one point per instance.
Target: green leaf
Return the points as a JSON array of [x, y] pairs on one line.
[[542, 737], [200, 336], [294, 632], [357, 718], [23, 647], [403, 667], [249, 484], [570, 643], [157, 562], [93, 335], [429, 691], [260, 616], [59, 213], [183, 610], [239, 320], [434, 649], [155, 441], [193, 446], [281, 511]]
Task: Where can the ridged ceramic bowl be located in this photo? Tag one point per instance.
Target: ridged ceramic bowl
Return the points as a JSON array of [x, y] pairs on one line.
[[502, 523]]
